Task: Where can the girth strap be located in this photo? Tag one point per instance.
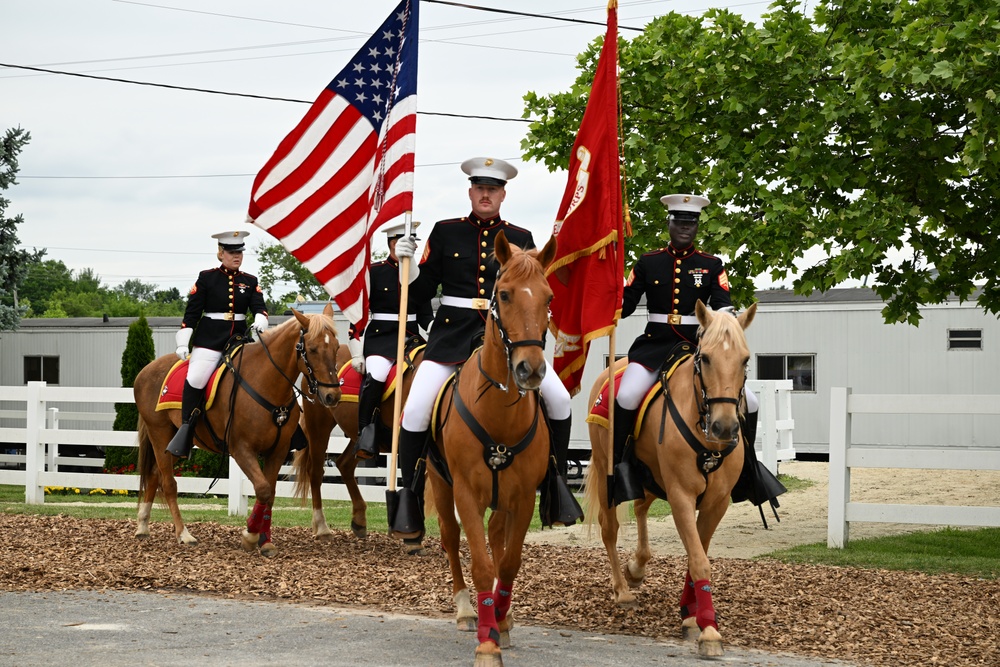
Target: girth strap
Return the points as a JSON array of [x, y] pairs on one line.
[[496, 455]]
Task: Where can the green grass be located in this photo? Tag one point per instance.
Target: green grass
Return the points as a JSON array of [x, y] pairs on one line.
[[974, 553]]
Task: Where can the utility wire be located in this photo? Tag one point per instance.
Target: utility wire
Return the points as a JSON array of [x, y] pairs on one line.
[[526, 14]]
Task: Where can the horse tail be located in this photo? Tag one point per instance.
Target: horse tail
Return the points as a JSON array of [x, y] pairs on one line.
[[303, 462], [147, 459], [595, 476]]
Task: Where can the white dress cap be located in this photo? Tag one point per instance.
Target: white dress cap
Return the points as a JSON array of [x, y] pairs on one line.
[[395, 231], [489, 170], [231, 240], [686, 203]]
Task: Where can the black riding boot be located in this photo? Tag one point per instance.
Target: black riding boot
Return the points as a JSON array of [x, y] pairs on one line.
[[406, 507], [191, 398], [750, 427], [369, 399], [625, 485], [558, 505]]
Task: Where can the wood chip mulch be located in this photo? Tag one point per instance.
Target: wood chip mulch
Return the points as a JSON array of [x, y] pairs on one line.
[[867, 617]]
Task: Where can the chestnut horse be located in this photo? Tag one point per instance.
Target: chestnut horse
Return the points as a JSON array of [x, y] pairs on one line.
[[704, 395], [254, 414], [310, 463], [494, 401]]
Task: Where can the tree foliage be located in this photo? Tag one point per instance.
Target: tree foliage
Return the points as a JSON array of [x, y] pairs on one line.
[[279, 267], [865, 136], [14, 261]]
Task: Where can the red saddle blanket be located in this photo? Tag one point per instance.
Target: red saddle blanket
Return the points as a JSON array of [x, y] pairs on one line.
[[173, 387], [599, 411], [350, 383]]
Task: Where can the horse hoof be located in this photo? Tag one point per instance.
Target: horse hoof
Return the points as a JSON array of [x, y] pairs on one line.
[[505, 627], [468, 624], [249, 542], [504, 640], [142, 536], [710, 643], [488, 655], [634, 580], [360, 532], [268, 550], [416, 550], [690, 630], [626, 600], [324, 537]]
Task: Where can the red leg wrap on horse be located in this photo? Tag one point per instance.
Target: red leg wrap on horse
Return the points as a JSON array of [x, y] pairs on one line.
[[689, 603], [488, 629], [706, 610], [258, 515], [265, 529], [502, 596]]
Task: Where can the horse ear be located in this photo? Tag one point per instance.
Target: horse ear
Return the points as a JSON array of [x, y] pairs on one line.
[[303, 319], [548, 253], [703, 314], [746, 317], [501, 248], [328, 309]]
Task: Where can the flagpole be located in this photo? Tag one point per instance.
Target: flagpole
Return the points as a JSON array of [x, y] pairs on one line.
[[397, 405], [611, 401]]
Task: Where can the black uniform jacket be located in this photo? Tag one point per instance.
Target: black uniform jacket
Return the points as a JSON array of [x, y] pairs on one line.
[[673, 281], [458, 257], [381, 336], [221, 291]]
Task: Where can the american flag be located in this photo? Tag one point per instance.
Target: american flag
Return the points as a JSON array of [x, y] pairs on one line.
[[347, 167]]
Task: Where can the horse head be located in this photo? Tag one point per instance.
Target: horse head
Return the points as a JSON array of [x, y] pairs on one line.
[[317, 348], [720, 365], [520, 309]]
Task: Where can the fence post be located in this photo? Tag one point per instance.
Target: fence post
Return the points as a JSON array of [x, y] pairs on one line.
[[769, 438], [52, 449], [840, 474], [237, 501], [34, 455]]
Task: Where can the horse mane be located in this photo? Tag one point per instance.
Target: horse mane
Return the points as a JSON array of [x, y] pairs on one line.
[[319, 324], [522, 264], [723, 330]]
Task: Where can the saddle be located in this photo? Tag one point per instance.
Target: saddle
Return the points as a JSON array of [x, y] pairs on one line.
[[350, 379], [173, 386]]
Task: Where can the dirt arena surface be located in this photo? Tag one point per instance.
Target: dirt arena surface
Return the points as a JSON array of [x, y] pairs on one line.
[[865, 617]]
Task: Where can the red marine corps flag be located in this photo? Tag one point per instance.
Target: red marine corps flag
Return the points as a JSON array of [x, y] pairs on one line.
[[347, 167], [587, 276]]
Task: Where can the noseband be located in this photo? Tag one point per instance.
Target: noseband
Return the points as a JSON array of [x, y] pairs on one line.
[[705, 401]]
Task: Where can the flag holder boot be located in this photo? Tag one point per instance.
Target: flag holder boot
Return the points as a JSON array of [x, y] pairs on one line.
[[180, 444], [625, 484], [558, 505], [405, 507], [369, 398]]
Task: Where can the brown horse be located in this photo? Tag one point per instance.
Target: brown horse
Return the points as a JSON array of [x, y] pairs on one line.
[[494, 401], [696, 472], [255, 413], [310, 463]]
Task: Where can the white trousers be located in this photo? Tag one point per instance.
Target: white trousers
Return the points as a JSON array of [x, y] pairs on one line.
[[431, 376], [637, 381], [202, 364], [378, 367]]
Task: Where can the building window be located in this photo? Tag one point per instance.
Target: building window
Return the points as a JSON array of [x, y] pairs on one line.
[[799, 368], [41, 369], [965, 339]]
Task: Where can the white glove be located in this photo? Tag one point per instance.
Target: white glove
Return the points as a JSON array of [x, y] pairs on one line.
[[414, 268], [183, 338], [406, 247], [357, 354], [259, 323]]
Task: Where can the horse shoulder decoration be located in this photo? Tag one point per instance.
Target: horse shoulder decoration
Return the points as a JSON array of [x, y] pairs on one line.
[[318, 421], [255, 415], [688, 442], [483, 404]]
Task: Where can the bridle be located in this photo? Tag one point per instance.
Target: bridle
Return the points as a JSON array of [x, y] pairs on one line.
[[704, 401], [508, 345]]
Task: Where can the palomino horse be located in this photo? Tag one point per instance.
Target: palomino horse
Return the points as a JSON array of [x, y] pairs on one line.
[[310, 463], [688, 441], [255, 413], [494, 400]]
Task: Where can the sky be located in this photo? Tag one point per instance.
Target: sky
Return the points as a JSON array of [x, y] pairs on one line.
[[132, 180]]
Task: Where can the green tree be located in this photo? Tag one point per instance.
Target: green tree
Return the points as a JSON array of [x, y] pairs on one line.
[[866, 136], [278, 266], [139, 351], [44, 278], [14, 261]]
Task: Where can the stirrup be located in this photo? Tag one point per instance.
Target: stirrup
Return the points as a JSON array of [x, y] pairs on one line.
[[180, 444], [408, 519], [625, 484], [557, 505], [366, 447]]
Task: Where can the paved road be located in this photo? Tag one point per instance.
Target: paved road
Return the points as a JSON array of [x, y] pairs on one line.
[[111, 628]]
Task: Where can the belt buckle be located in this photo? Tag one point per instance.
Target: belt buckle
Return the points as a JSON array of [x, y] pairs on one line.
[[227, 316], [480, 303], [673, 318]]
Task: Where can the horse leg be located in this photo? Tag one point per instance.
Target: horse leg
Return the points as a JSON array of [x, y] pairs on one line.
[[483, 576], [635, 570], [317, 458], [347, 464], [499, 533], [451, 535], [699, 569], [508, 565], [257, 532], [165, 471]]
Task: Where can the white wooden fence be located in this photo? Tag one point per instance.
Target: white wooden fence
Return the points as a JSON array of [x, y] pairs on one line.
[[844, 455], [42, 436]]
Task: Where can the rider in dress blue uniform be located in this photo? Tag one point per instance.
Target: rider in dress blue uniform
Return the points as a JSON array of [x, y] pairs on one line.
[[217, 309], [373, 349], [458, 258]]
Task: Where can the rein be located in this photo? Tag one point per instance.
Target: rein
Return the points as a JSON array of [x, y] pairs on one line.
[[508, 345]]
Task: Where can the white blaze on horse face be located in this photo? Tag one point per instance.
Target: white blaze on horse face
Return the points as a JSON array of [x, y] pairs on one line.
[[528, 291], [326, 339], [725, 346]]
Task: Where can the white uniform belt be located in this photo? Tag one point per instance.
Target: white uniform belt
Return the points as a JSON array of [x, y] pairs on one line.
[[462, 302], [224, 316], [672, 318], [394, 317]]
